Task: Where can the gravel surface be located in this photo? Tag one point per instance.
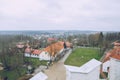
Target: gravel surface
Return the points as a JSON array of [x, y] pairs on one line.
[[57, 70]]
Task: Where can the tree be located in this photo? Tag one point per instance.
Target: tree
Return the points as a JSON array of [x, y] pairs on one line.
[[100, 39], [100, 43]]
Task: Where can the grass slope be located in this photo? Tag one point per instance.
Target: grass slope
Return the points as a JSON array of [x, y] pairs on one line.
[[82, 55]]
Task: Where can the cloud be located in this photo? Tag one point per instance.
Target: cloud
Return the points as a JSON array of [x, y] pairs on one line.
[[21, 8], [60, 14]]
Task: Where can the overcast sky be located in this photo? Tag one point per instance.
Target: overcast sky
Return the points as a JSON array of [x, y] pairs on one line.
[[100, 15]]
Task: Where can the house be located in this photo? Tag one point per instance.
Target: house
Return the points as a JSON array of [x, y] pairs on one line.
[[39, 76], [111, 62], [114, 53], [106, 65], [114, 71], [32, 53], [53, 50], [89, 71], [49, 40], [49, 53]]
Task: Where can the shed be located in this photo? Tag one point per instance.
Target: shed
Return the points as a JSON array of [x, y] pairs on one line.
[[89, 71], [114, 69], [39, 76]]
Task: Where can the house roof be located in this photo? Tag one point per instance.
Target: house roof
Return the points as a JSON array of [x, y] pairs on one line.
[[36, 51], [51, 39], [39, 76], [114, 53], [54, 48], [86, 68]]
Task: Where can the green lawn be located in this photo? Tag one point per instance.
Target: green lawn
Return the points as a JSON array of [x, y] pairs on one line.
[[82, 55]]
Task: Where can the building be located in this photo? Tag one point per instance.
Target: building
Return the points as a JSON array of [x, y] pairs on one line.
[[32, 53], [39, 76], [89, 71], [114, 71], [106, 65], [53, 50], [49, 53], [111, 62], [44, 56]]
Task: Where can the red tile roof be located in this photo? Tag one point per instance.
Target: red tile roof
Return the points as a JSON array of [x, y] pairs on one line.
[[51, 39], [36, 51], [114, 53], [54, 48]]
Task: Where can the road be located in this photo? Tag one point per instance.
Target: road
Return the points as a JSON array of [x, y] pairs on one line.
[[57, 70]]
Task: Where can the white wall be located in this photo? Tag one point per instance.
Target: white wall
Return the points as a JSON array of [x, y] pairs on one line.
[[32, 55], [105, 66], [44, 56], [68, 75], [93, 75], [114, 69]]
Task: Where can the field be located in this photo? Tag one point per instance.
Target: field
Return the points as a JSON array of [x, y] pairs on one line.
[[82, 55]]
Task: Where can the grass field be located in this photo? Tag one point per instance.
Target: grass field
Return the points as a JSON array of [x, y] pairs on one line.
[[82, 55]]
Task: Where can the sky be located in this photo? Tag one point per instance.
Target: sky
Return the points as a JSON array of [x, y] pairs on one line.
[[95, 15]]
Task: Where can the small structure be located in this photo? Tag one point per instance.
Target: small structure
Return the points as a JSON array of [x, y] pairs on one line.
[[114, 73], [89, 71], [39, 76]]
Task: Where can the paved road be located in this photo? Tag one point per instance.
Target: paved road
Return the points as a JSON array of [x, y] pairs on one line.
[[57, 70], [65, 56]]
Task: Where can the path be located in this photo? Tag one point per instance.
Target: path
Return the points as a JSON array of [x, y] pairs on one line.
[[65, 56], [57, 70]]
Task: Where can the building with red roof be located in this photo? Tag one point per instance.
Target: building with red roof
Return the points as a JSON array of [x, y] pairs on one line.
[[111, 61], [32, 52]]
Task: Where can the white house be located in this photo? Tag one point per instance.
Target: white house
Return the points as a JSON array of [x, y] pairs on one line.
[[114, 73], [89, 71], [44, 56], [39, 76]]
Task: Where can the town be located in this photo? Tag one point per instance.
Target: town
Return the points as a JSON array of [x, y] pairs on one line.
[[59, 55]]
